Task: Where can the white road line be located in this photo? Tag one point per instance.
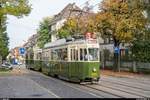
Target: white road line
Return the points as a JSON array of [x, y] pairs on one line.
[[44, 88]]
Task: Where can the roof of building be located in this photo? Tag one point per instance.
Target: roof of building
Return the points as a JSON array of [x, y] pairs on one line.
[[65, 13]]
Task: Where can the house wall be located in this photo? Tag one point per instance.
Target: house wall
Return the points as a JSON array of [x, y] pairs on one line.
[[55, 27]]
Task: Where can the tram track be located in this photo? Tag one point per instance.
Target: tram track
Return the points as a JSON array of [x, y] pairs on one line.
[[100, 90], [98, 93], [128, 91], [140, 81], [113, 91], [127, 85]]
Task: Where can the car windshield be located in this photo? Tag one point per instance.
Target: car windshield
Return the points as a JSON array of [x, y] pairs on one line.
[[93, 54], [7, 64]]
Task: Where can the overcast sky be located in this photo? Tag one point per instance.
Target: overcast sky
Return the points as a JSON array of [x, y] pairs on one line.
[[19, 30]]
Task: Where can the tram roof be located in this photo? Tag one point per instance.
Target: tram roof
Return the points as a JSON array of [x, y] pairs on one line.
[[62, 42]]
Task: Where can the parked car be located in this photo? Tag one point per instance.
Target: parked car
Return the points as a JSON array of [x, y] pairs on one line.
[[7, 66]]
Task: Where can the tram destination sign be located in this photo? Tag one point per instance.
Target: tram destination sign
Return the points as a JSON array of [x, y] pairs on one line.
[[92, 41]]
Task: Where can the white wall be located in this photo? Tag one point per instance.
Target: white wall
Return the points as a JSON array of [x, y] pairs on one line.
[[55, 27]]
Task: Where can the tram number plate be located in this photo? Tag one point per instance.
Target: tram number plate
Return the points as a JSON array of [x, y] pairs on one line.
[[94, 74]]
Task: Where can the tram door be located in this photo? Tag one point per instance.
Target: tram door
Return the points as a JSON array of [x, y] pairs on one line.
[[74, 67]]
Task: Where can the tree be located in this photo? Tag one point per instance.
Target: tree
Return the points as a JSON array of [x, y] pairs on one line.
[[67, 29], [13, 7], [121, 21], [81, 26], [4, 41], [17, 8], [43, 32]]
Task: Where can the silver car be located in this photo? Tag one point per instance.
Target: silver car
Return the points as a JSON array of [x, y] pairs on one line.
[[7, 66]]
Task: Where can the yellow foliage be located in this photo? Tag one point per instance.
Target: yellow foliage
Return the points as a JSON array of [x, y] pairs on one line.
[[118, 20]]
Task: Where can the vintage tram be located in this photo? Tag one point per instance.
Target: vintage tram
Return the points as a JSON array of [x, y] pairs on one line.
[[75, 60]]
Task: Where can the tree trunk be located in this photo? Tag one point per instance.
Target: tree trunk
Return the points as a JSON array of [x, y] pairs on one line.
[[116, 58]]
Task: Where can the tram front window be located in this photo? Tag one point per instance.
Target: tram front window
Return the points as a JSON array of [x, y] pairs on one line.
[[93, 54]]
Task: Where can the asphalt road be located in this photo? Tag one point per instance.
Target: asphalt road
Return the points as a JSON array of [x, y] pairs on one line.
[[37, 85], [30, 84]]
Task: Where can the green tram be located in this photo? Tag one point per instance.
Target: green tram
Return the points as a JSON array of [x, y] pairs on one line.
[[74, 60]]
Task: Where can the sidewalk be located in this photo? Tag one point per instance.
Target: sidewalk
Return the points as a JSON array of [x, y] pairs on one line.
[[17, 70], [125, 74]]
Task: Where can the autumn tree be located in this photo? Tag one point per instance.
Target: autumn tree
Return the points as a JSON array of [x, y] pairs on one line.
[[119, 20], [81, 24], [70, 27], [67, 29], [43, 32]]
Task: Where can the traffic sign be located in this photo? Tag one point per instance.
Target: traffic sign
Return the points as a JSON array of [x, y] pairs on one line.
[[22, 51], [116, 49]]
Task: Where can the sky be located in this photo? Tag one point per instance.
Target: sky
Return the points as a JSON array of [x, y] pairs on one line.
[[19, 30]]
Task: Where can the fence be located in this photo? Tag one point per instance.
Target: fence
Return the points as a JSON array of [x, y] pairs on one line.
[[126, 62]]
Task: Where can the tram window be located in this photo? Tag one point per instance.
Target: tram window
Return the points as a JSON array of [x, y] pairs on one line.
[[76, 55], [85, 55], [71, 55], [53, 55], [64, 54], [93, 54], [59, 54], [81, 54]]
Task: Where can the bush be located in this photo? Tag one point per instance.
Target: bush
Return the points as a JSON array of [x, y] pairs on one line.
[[141, 50]]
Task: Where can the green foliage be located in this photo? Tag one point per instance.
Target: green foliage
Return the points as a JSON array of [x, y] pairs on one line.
[[81, 26], [15, 7], [67, 29], [4, 41], [4, 70], [4, 50], [43, 32], [141, 50]]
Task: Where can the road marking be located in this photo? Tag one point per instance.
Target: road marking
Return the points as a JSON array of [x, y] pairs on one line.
[[71, 86], [84, 91], [44, 88]]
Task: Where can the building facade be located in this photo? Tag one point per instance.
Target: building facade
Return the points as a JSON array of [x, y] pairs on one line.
[[61, 17]]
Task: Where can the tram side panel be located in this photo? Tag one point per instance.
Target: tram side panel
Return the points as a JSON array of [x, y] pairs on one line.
[[74, 72], [37, 65]]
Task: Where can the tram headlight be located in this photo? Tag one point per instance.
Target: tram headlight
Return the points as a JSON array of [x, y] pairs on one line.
[[94, 69]]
